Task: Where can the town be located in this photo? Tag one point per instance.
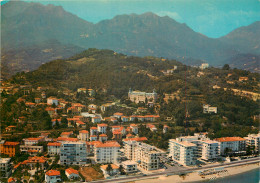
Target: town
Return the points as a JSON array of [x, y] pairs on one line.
[[102, 141]]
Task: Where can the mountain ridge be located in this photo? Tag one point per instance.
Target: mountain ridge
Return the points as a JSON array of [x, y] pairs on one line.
[[140, 35]]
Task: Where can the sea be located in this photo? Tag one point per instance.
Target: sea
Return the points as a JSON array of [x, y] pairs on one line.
[[252, 176]]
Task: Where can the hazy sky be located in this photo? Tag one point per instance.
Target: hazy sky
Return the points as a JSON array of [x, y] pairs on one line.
[[213, 18]]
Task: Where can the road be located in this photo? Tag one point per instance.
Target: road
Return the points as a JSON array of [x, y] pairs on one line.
[[171, 172]]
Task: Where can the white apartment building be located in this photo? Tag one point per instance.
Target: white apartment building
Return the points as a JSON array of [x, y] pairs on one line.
[[83, 135], [52, 100], [208, 149], [208, 109], [28, 149], [146, 156], [183, 152], [102, 128], [5, 167], [54, 148], [107, 152], [32, 141], [73, 153], [231, 144], [253, 140]]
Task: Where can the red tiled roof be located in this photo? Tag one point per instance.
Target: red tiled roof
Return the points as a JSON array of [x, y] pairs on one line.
[[83, 131], [72, 171], [53, 173], [136, 139], [67, 139], [108, 144], [102, 125], [54, 144], [11, 179], [11, 143], [229, 139], [103, 135], [118, 114]]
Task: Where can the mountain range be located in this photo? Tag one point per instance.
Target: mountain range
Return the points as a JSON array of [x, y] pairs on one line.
[[33, 34]]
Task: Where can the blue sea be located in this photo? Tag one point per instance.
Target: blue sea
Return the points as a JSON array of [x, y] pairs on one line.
[[252, 176]]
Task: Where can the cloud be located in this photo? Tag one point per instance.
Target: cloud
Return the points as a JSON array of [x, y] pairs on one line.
[[171, 14]]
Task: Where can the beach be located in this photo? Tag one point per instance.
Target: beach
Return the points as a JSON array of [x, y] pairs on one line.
[[195, 177]]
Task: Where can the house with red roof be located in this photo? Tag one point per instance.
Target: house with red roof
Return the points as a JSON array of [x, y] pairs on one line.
[[72, 173], [52, 176], [102, 128], [83, 135]]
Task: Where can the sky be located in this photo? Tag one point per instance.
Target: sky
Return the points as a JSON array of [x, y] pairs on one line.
[[213, 18]]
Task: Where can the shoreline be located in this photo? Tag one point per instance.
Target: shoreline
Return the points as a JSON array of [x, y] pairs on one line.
[[196, 178]]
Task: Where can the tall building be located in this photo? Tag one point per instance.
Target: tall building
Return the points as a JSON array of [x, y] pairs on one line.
[[73, 153], [145, 155], [208, 149], [137, 96], [107, 152], [5, 167], [183, 152]]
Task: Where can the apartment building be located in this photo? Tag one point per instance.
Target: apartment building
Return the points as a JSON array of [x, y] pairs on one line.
[[5, 167], [31, 149], [9, 148], [145, 155], [231, 144], [32, 141], [208, 149], [183, 152], [83, 135], [253, 140], [73, 153], [102, 128], [54, 148], [107, 152]]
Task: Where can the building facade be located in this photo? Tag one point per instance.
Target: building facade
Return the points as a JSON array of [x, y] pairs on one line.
[[231, 144], [73, 153], [107, 152], [137, 96], [145, 155]]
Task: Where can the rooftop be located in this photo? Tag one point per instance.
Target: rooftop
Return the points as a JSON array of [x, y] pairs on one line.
[[53, 173], [229, 139], [72, 171]]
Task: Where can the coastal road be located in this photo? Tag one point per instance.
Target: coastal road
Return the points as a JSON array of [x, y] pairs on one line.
[[172, 172]]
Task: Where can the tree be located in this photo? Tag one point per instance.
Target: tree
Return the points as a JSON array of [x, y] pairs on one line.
[[226, 67], [109, 168], [121, 170]]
